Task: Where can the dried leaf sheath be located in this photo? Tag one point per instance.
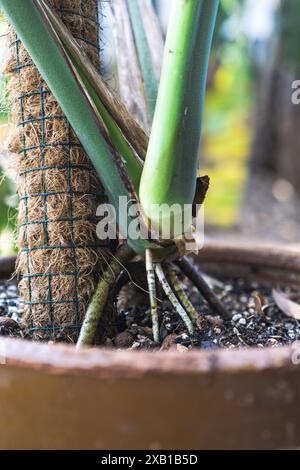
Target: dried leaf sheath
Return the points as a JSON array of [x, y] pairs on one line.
[[60, 257]]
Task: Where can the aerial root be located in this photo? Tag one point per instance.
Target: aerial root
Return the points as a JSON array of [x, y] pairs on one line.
[[170, 284], [195, 276], [99, 300], [186, 303], [152, 294], [173, 299]]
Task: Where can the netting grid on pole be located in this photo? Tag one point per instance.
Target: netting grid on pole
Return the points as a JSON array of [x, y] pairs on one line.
[[60, 259]]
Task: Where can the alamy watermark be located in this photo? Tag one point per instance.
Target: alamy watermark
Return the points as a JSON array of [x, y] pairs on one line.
[[296, 353], [177, 222], [296, 92]]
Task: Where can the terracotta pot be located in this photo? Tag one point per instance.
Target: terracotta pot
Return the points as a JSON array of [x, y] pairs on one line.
[[52, 397]]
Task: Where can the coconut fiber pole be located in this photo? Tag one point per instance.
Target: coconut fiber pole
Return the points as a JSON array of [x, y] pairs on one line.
[[60, 259]]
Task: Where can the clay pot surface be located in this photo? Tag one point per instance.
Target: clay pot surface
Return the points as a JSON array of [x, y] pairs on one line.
[[54, 397]]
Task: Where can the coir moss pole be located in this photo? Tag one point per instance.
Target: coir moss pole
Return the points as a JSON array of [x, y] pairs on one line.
[[60, 259]]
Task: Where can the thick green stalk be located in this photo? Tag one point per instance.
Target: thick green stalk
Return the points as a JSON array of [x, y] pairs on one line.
[[171, 166]]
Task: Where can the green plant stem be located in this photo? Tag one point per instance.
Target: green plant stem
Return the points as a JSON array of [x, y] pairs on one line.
[[101, 97], [99, 300], [152, 294], [171, 166], [173, 299], [185, 301], [31, 22]]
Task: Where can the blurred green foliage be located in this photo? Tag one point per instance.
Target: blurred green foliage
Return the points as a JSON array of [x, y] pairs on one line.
[[227, 133]]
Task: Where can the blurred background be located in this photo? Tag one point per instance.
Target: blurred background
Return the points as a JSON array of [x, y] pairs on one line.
[[251, 135]]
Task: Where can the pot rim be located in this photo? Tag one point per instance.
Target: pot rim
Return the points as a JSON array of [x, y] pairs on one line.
[[105, 363]]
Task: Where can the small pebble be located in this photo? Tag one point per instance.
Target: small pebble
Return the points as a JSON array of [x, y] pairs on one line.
[[291, 334], [12, 310], [236, 317], [16, 318], [181, 348], [251, 325]]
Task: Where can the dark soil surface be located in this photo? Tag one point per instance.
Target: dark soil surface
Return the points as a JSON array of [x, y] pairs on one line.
[[11, 310], [256, 320]]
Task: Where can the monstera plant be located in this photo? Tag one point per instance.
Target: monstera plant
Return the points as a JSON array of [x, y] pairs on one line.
[[153, 173]]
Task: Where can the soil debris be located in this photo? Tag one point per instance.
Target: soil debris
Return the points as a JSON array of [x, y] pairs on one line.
[[254, 323]]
